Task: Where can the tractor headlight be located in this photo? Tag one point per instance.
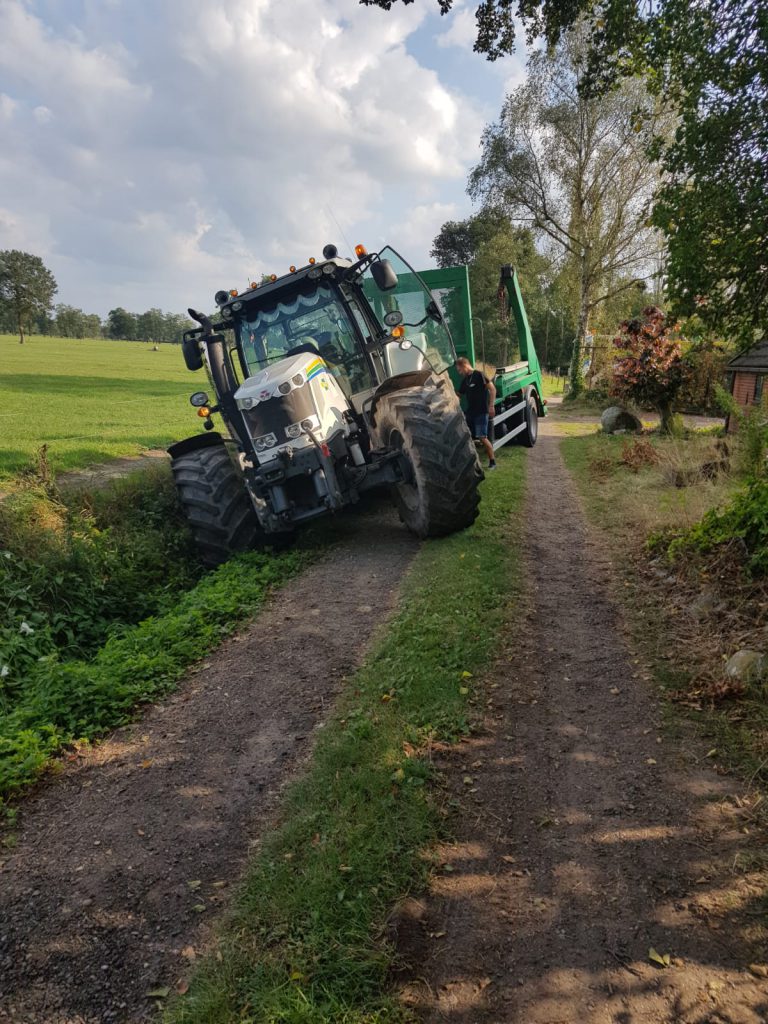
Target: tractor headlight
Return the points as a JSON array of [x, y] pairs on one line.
[[315, 272], [284, 388], [297, 380], [265, 441], [293, 431], [329, 268], [306, 424], [247, 403], [226, 313], [237, 305]]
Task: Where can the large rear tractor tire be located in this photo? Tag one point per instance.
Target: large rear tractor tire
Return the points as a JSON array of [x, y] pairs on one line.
[[216, 504], [429, 427]]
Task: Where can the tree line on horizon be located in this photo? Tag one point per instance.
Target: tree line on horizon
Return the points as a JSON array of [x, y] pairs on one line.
[[27, 290]]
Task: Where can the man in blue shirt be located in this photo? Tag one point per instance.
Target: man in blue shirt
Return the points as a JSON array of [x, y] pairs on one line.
[[480, 394]]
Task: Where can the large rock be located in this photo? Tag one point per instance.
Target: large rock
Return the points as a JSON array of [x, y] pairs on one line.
[[746, 666], [615, 419]]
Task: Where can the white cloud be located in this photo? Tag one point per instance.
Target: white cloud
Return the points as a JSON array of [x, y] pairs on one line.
[[462, 30], [163, 151], [7, 107], [417, 230]]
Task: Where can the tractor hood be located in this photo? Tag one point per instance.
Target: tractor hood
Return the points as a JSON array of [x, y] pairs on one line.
[[284, 402]]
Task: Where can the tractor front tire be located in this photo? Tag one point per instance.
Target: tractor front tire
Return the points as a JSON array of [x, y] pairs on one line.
[[429, 427], [216, 504]]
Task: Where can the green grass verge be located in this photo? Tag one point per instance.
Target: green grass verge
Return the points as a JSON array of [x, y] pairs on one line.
[[633, 505], [629, 509], [552, 384], [90, 400], [63, 701], [304, 942]]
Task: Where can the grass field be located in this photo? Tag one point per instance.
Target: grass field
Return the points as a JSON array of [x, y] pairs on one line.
[[90, 400]]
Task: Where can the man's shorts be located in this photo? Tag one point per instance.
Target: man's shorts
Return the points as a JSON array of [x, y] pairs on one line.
[[478, 424]]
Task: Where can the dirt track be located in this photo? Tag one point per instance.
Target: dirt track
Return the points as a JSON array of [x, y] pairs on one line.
[[122, 861], [587, 836]]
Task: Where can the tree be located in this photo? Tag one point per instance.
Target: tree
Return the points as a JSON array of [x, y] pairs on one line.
[[150, 326], [458, 241], [121, 324], [70, 322], [573, 167], [650, 370], [92, 325], [175, 325], [27, 288], [495, 20], [710, 59], [484, 242], [713, 59]]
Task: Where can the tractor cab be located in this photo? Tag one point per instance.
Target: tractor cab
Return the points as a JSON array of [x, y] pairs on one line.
[[368, 321]]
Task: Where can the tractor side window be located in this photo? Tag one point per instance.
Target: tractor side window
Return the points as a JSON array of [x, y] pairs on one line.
[[423, 329]]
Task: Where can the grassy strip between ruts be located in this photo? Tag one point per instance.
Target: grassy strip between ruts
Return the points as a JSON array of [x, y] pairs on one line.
[[305, 940], [72, 700]]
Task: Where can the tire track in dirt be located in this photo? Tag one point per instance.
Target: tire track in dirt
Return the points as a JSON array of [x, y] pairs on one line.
[[586, 837], [100, 900]]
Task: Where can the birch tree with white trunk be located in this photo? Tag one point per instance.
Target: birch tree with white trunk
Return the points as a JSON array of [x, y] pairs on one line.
[[574, 168]]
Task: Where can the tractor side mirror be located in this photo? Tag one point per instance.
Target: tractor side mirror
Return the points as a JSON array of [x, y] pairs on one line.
[[190, 349], [384, 276]]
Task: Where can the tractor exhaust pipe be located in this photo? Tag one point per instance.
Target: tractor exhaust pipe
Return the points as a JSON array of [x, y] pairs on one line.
[[223, 378]]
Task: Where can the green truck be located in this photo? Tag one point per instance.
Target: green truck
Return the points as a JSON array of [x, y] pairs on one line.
[[519, 395], [335, 379]]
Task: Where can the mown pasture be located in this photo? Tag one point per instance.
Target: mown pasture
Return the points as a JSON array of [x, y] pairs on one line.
[[89, 400]]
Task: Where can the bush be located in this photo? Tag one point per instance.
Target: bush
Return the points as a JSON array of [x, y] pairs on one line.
[[75, 568], [752, 435], [63, 701], [650, 369], [745, 520]]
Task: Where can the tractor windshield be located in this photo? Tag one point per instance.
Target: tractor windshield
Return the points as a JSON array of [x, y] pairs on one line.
[[422, 317], [313, 319]]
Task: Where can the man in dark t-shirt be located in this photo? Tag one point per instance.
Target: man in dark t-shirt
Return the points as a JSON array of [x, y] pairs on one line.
[[480, 394]]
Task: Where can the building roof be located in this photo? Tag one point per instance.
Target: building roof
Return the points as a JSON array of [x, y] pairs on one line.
[[752, 360]]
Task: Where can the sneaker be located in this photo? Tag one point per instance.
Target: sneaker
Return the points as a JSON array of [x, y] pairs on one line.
[[492, 465]]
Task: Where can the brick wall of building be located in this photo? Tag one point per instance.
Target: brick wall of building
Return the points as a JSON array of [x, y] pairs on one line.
[[744, 392], [744, 388]]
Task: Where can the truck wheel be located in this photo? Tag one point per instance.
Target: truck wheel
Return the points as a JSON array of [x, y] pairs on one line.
[[216, 503], [428, 426], [531, 432]]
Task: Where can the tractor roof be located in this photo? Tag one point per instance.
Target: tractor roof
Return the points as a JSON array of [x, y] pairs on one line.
[[286, 282]]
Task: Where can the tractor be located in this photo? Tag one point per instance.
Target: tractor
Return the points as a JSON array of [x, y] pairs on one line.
[[330, 381]]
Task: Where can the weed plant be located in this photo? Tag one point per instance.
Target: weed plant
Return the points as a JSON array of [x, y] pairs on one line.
[[74, 567]]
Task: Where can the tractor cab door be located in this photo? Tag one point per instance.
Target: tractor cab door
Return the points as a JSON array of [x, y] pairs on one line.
[[431, 346]]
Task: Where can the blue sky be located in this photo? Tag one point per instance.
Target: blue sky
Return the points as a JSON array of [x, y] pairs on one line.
[[155, 152]]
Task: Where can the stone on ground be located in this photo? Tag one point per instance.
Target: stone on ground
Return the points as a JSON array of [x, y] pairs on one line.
[[616, 418]]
